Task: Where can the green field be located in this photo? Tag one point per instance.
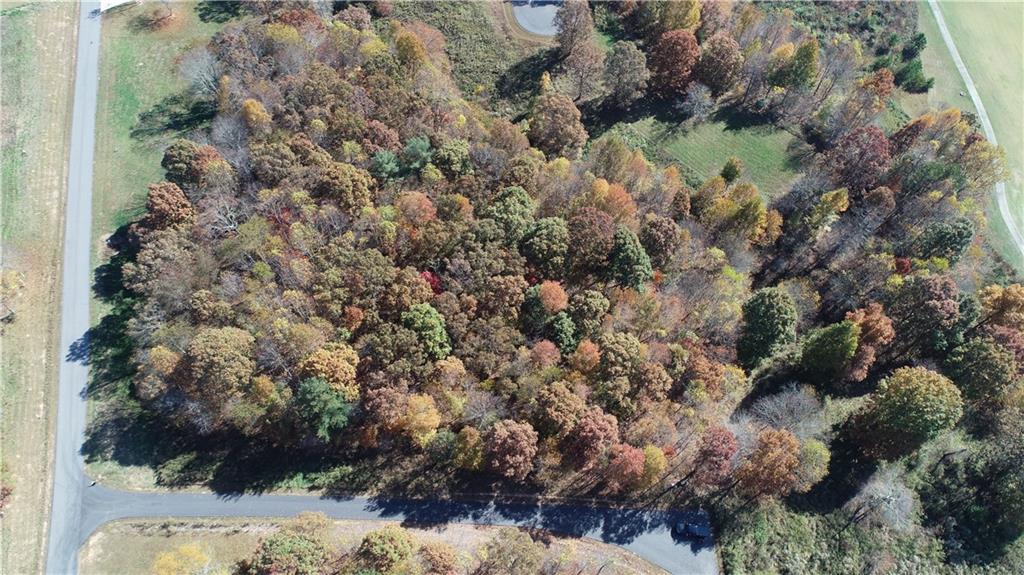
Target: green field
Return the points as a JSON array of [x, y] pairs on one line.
[[990, 39], [702, 150]]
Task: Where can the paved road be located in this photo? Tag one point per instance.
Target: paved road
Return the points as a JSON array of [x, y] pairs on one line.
[[80, 508], [986, 124]]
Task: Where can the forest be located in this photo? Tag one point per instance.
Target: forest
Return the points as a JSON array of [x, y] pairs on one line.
[[356, 261]]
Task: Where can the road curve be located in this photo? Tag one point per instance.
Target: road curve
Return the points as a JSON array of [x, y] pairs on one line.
[[986, 124], [79, 507]]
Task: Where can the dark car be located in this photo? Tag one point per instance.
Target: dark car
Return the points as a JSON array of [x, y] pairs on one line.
[[692, 530]]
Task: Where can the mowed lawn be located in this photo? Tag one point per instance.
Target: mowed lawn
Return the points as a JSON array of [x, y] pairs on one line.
[[704, 149], [990, 38], [37, 57], [139, 81]]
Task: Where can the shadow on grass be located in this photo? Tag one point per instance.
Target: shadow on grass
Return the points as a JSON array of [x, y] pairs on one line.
[[175, 114], [517, 86]]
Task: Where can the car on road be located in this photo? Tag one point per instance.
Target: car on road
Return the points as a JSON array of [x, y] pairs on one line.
[[692, 530]]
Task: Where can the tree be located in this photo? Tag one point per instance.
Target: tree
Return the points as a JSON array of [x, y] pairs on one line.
[[546, 247], [771, 470], [876, 332], [625, 74], [982, 369], [288, 552], [629, 264], [655, 465], [860, 159], [558, 409], [335, 363], [911, 406], [511, 552], [386, 549], [732, 170], [1003, 306], [720, 63], [794, 69], [167, 206], [585, 66], [625, 467], [588, 309], [552, 296], [699, 102], [672, 59], [346, 184], [944, 239], [469, 450], [661, 239], [220, 361], [574, 27], [769, 324], [594, 434], [555, 126], [438, 558], [814, 460], [827, 352], [430, 327], [510, 449], [923, 306], [714, 456], [453, 158], [513, 210], [323, 408], [592, 236], [421, 419]]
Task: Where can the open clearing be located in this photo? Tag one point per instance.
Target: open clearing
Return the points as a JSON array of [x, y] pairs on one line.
[[38, 52], [129, 547], [704, 149]]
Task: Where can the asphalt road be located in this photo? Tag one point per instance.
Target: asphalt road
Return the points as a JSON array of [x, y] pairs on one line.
[[79, 507], [986, 124]]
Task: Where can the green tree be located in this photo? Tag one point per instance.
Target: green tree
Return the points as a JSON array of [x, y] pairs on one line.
[[430, 326], [769, 324], [625, 74], [630, 266], [982, 368], [546, 247], [416, 153], [827, 352], [323, 407], [911, 406], [513, 210]]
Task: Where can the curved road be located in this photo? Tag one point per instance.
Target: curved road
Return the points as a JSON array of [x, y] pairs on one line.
[[986, 124], [79, 508]]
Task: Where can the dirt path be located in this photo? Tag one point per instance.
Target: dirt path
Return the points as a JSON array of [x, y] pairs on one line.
[[36, 123], [986, 124]]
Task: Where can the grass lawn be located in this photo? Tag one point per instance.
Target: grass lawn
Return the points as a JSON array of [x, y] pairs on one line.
[[990, 39], [131, 546], [140, 95], [37, 56], [703, 150]]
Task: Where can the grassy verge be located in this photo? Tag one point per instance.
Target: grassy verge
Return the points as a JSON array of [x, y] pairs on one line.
[[140, 98], [132, 546], [38, 52]]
